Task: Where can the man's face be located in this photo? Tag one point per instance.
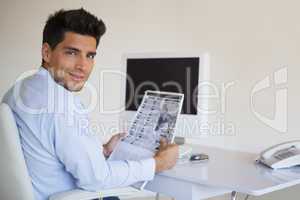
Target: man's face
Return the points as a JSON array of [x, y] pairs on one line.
[[71, 61]]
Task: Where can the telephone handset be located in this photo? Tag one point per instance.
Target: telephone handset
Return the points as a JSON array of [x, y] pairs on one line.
[[282, 155]]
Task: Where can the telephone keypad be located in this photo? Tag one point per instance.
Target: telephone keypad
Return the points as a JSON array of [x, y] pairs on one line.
[[283, 154]]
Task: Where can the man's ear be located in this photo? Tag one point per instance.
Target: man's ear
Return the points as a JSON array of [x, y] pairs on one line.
[[46, 52]]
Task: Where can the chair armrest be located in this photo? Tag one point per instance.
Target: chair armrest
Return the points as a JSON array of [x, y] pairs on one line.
[[78, 194]]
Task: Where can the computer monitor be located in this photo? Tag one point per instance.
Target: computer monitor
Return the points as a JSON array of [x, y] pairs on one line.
[[170, 72]]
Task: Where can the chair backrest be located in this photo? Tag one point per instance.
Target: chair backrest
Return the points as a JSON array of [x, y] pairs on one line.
[[15, 181]]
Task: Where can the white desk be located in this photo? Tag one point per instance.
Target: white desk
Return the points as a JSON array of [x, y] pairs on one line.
[[226, 171]]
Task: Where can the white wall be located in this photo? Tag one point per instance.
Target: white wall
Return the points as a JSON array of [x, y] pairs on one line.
[[247, 41]]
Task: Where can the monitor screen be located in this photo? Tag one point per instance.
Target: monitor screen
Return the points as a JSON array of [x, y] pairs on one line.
[[170, 74]]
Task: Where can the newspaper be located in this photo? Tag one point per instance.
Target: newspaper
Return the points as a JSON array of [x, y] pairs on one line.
[[155, 119]]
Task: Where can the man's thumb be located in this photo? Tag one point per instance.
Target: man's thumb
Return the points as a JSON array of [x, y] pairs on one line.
[[163, 143]]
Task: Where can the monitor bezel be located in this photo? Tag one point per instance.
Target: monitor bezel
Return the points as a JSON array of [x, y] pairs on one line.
[[204, 74]]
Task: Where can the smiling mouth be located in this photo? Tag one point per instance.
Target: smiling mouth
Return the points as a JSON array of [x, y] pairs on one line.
[[77, 77]]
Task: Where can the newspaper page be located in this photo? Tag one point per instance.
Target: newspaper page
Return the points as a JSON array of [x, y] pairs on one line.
[[155, 119]]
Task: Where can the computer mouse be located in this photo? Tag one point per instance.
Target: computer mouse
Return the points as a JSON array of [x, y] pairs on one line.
[[199, 157]]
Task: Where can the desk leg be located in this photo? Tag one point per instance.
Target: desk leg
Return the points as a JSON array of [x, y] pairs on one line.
[[157, 196], [233, 195]]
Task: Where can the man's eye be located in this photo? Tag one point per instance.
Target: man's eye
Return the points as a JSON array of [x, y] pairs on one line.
[[92, 56], [71, 52]]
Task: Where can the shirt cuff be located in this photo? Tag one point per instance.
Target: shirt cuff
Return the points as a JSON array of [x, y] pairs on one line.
[[148, 169]]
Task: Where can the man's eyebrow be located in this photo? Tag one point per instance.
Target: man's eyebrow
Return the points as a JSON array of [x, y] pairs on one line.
[[75, 49], [72, 48], [93, 53]]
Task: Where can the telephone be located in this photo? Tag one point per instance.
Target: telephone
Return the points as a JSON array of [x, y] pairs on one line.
[[282, 155]]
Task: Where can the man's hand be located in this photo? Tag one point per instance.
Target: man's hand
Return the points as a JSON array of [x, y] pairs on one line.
[[111, 144], [166, 156]]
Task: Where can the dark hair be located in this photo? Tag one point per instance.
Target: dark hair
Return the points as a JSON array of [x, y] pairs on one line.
[[77, 21]]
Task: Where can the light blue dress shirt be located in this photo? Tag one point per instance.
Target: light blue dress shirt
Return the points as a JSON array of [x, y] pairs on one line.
[[60, 151]]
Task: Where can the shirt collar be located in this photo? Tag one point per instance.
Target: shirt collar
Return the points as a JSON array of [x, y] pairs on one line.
[[63, 91], [44, 72]]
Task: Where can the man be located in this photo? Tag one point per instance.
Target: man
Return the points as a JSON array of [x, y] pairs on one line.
[[60, 153]]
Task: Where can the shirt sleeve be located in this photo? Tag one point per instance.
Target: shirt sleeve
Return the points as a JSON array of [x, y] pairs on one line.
[[82, 155]]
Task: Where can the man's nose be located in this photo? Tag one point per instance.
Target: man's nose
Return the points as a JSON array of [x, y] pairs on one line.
[[82, 62]]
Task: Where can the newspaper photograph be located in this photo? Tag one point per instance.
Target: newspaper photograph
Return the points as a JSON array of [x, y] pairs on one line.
[[155, 119]]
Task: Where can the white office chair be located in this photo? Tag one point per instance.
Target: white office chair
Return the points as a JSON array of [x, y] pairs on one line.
[[15, 183]]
